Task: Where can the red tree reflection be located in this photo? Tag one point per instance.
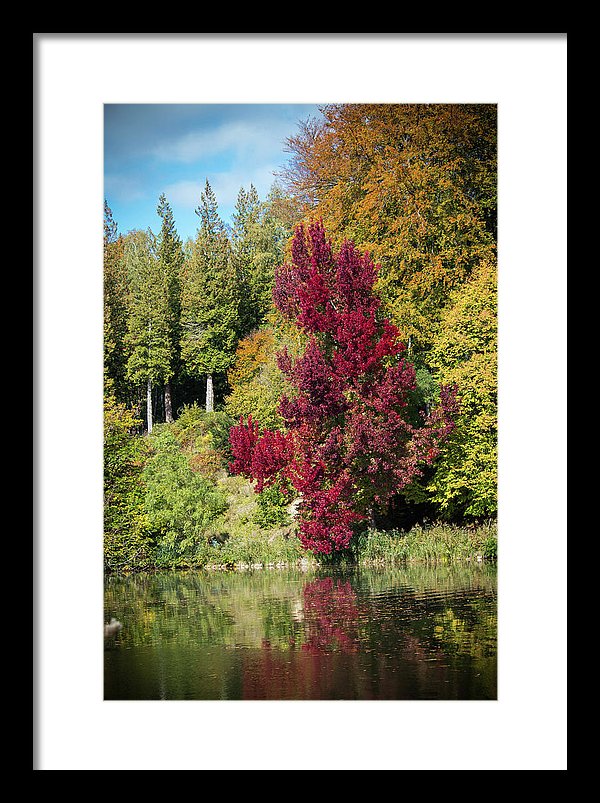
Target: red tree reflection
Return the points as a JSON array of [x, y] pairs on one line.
[[329, 624], [331, 614]]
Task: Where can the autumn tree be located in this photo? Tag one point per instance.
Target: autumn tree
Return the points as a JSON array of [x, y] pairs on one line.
[[150, 359], [464, 482], [255, 380], [209, 299], [347, 445], [170, 263], [415, 185]]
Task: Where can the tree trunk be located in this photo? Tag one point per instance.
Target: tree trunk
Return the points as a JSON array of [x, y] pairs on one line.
[[210, 397], [168, 404], [149, 406]]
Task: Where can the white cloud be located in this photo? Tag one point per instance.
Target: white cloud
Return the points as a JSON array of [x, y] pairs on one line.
[[226, 186], [186, 193], [123, 188], [202, 143], [255, 137]]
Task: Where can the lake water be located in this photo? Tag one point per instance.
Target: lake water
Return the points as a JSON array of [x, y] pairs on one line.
[[411, 633]]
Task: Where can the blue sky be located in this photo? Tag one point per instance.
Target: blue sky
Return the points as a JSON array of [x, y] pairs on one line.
[[154, 148]]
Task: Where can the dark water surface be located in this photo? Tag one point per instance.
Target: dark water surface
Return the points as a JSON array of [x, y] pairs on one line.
[[412, 633]]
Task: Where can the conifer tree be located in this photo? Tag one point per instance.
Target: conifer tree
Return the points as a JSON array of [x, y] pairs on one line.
[[148, 336], [245, 219], [209, 299], [258, 242], [170, 257], [115, 309]]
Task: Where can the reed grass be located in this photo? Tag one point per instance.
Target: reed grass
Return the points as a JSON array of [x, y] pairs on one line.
[[436, 543]]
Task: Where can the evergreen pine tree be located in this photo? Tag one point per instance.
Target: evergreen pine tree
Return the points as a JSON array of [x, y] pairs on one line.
[[245, 219], [258, 240], [115, 310], [170, 258], [209, 299], [149, 333]]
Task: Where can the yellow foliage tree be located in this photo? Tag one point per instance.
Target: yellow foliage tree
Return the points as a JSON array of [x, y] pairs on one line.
[[465, 352], [413, 184], [255, 380]]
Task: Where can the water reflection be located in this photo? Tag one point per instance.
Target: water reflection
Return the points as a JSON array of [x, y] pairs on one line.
[[410, 633], [331, 613]]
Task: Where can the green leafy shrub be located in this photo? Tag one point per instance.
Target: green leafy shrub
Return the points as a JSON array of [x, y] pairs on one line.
[[425, 395], [126, 541], [272, 505], [179, 503], [204, 437], [490, 548]]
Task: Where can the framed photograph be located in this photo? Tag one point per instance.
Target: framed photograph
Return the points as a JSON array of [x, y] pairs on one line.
[[289, 330]]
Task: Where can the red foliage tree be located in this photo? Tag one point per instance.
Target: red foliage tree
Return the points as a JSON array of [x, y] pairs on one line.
[[347, 445]]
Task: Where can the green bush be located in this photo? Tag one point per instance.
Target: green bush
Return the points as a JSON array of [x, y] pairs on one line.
[[490, 548], [271, 506], [196, 429], [179, 503], [126, 541]]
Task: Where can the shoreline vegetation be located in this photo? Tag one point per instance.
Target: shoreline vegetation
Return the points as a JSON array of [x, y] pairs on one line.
[[240, 539], [434, 544], [176, 507]]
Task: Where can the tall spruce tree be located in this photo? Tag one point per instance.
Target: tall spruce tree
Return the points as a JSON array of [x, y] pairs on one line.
[[149, 333], [245, 219], [170, 258], [258, 243], [115, 310], [209, 299]]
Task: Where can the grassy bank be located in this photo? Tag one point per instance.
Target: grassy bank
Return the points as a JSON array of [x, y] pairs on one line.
[[437, 543], [236, 542], [247, 548]]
